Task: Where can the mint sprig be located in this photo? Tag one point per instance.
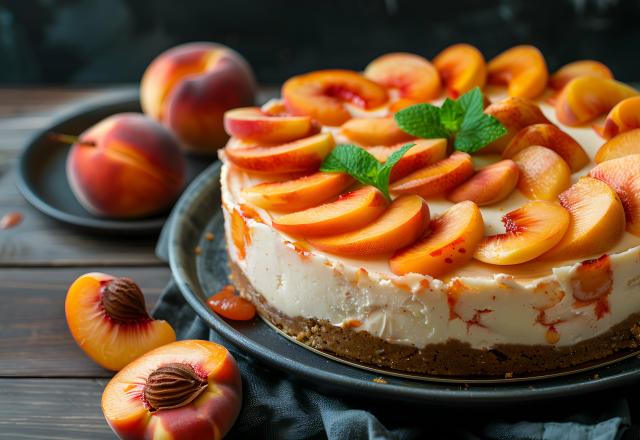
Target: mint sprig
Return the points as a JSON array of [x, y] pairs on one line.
[[362, 166], [462, 121]]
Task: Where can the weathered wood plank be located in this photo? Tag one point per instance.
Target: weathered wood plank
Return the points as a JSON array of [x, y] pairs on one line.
[[34, 338]]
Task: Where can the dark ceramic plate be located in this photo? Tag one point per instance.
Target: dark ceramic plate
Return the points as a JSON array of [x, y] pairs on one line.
[[42, 177], [198, 276]]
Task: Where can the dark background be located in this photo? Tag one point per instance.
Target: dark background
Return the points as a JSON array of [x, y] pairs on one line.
[[87, 42]]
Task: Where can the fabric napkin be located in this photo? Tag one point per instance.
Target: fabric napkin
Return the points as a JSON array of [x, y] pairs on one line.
[[276, 407]]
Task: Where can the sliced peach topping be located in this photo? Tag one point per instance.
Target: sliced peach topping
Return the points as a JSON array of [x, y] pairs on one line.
[[302, 155], [297, 194], [623, 117], [550, 136], [414, 77], [489, 185], [578, 68], [374, 131], [437, 178], [424, 152], [322, 95], [522, 69], [351, 211], [622, 145], [250, 123], [623, 175], [451, 242], [587, 97], [406, 220], [543, 173], [462, 68], [514, 114], [531, 230], [597, 220]]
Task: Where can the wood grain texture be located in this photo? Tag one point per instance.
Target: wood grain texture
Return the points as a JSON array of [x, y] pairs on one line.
[[34, 338]]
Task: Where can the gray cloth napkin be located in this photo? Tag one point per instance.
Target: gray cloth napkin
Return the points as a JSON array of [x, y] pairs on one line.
[[275, 407]]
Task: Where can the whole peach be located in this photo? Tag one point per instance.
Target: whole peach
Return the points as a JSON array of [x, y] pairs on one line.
[[126, 166], [189, 87]]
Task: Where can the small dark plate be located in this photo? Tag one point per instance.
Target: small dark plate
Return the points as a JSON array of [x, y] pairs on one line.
[[198, 276], [42, 178]]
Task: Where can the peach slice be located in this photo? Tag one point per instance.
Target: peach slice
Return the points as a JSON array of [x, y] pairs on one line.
[[550, 136], [108, 319], [414, 77], [186, 390], [623, 117], [489, 185], [322, 95], [622, 145], [374, 131], [302, 155], [515, 114], [543, 173], [531, 230], [522, 68], [623, 175], [578, 68], [597, 220], [451, 242], [424, 152], [251, 124], [297, 194], [587, 97], [462, 68], [351, 211], [404, 222], [437, 178]]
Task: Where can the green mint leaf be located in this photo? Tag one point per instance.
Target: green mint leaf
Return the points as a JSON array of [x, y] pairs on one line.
[[472, 102], [477, 129], [387, 166], [421, 120], [451, 115]]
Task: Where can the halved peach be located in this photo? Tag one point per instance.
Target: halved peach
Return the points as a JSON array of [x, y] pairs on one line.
[[578, 68], [451, 242], [623, 175], [437, 178], [543, 173], [374, 131], [414, 77], [522, 69], [531, 230], [597, 220], [514, 114], [550, 136], [302, 155], [489, 185], [351, 211], [462, 68], [297, 194], [251, 124], [622, 145], [424, 152], [322, 95], [587, 97], [406, 220], [623, 117]]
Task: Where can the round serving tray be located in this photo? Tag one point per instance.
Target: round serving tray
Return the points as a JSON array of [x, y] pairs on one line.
[[199, 274]]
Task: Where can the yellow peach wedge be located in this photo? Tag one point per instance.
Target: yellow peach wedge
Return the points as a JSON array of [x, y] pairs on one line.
[[597, 220], [424, 152], [414, 77], [374, 131], [451, 242], [462, 68], [489, 185], [578, 68], [543, 173], [624, 144], [251, 124], [587, 97], [625, 116], [522, 69], [530, 231]]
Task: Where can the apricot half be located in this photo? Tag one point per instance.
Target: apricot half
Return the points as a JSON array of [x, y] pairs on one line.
[[462, 67], [522, 69], [187, 390], [108, 319]]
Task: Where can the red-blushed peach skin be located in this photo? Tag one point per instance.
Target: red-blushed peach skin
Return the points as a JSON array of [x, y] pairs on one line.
[[252, 124], [189, 87], [522, 69], [423, 153], [489, 185], [578, 68], [126, 166], [625, 116], [416, 79], [462, 67], [109, 343], [210, 416]]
